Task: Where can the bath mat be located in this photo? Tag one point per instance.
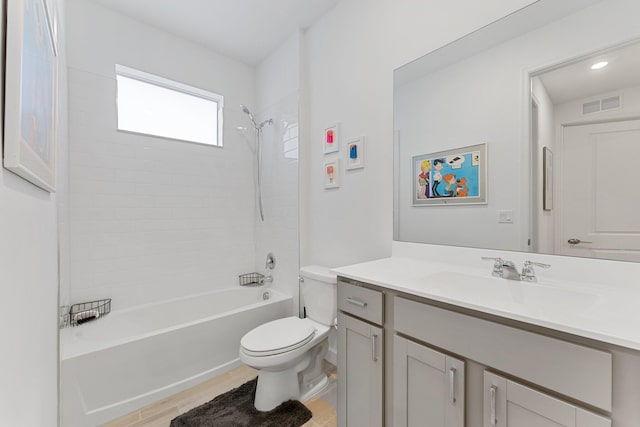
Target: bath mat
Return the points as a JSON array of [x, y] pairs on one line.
[[235, 409]]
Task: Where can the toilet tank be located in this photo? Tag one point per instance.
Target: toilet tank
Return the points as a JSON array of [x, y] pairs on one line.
[[319, 293]]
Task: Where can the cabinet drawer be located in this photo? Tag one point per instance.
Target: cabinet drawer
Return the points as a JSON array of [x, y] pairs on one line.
[[360, 301], [573, 370]]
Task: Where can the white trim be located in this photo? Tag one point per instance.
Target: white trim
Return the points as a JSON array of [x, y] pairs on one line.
[[132, 73]]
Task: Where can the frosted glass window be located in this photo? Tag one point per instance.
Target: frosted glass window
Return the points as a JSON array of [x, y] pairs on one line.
[[152, 105]]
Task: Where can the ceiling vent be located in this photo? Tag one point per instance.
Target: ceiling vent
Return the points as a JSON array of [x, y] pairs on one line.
[[604, 104]]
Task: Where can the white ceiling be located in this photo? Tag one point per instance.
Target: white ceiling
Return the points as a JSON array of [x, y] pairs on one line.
[[246, 30], [578, 80]]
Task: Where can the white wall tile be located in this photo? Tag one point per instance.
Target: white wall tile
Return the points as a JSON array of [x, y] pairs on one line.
[[278, 96], [152, 218]]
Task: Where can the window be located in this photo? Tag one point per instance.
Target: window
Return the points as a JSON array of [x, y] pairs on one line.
[[152, 105]]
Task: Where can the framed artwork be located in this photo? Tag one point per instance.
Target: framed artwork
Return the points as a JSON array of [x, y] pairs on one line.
[[355, 153], [331, 139], [331, 172], [31, 94], [547, 179], [450, 177]]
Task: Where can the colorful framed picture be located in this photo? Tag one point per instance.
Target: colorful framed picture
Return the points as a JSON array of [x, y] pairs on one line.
[[331, 173], [547, 179], [331, 139], [31, 96], [451, 177], [355, 153]]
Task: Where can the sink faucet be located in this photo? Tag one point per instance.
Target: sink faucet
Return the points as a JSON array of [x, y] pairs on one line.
[[503, 268], [528, 273], [507, 269]]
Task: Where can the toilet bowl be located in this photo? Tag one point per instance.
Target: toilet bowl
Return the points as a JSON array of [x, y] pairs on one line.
[[289, 352]]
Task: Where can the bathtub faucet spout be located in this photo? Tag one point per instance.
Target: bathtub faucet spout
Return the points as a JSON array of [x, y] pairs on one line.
[[266, 279]]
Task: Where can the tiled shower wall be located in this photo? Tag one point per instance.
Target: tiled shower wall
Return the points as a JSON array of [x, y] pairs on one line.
[[152, 218], [277, 98]]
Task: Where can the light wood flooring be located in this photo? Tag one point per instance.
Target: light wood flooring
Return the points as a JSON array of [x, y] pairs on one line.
[[161, 413]]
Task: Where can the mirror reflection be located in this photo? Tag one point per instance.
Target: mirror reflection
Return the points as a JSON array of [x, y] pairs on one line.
[[561, 131], [586, 143]]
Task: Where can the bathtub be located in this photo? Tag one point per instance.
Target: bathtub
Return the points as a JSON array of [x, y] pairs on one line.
[[134, 357]]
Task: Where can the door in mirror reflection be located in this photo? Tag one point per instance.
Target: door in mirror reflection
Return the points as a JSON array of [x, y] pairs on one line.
[[587, 113], [601, 188]]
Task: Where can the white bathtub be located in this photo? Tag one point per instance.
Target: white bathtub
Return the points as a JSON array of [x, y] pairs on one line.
[[134, 357]]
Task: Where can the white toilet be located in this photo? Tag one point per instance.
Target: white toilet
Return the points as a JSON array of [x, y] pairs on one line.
[[288, 352]]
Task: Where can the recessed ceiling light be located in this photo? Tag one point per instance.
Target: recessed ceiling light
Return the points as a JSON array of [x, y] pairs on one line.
[[599, 65]]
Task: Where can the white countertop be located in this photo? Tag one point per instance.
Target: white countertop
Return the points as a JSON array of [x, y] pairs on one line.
[[604, 313]]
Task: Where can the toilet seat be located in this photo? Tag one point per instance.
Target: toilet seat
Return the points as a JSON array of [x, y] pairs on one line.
[[278, 336]]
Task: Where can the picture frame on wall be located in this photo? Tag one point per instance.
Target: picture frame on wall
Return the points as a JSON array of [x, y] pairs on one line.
[[331, 139], [355, 153], [31, 94], [331, 171], [547, 179], [451, 177]]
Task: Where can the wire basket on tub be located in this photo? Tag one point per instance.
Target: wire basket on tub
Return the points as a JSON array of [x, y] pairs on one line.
[[251, 279], [88, 311]]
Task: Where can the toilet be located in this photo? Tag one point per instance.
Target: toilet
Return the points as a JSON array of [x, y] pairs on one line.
[[289, 352]]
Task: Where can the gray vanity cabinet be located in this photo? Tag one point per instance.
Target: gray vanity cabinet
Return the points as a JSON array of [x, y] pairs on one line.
[[360, 357], [509, 404], [428, 386], [405, 361]]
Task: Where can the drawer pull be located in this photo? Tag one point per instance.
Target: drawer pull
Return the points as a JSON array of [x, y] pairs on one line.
[[374, 356], [492, 416], [356, 302], [452, 386]]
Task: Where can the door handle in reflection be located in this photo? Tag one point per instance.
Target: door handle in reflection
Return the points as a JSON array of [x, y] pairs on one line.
[[574, 241]]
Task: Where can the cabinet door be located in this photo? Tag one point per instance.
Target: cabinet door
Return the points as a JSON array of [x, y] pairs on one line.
[[428, 387], [360, 372], [509, 404]]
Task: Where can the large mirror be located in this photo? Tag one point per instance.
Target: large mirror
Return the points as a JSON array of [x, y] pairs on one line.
[[508, 139]]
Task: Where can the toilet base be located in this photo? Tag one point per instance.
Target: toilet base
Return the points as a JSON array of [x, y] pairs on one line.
[[276, 387], [301, 380]]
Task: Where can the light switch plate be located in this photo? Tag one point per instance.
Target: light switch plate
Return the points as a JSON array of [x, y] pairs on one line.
[[505, 217]]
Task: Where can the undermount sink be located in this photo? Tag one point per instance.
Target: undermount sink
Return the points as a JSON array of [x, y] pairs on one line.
[[503, 294]]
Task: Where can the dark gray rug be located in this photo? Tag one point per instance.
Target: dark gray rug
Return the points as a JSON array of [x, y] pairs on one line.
[[235, 409]]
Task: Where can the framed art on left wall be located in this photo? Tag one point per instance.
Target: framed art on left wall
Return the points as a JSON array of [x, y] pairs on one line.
[[31, 95]]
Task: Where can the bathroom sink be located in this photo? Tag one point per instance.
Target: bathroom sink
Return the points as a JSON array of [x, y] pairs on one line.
[[507, 295]]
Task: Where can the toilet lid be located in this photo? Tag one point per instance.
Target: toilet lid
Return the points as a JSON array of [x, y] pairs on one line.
[[278, 336]]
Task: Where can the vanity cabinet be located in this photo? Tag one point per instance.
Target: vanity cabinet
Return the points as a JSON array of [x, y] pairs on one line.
[[428, 386], [360, 357], [409, 361], [510, 404]]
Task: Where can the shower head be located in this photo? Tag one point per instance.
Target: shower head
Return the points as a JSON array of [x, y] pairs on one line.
[[248, 113], [256, 125]]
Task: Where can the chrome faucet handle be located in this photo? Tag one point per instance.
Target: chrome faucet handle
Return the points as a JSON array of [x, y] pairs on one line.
[[528, 273], [270, 263], [498, 263]]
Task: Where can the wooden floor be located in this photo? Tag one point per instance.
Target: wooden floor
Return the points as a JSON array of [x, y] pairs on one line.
[[161, 413]]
